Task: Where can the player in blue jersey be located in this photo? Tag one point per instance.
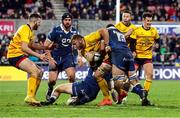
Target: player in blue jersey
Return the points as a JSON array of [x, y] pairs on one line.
[[123, 62], [61, 58], [83, 91]]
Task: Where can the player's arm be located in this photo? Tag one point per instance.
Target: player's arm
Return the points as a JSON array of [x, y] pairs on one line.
[[38, 46], [25, 48], [132, 46], [104, 41], [48, 43], [127, 34]]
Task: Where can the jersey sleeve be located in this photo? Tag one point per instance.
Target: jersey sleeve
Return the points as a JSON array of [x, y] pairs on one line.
[[52, 34], [93, 37], [24, 33]]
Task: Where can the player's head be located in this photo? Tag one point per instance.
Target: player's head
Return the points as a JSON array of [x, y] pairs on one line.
[[67, 20], [109, 25], [35, 19], [78, 42], [147, 19], [126, 17]]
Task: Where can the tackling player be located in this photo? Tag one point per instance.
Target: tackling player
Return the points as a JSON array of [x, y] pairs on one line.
[[19, 48], [123, 62], [61, 58], [88, 45], [144, 39], [82, 91]]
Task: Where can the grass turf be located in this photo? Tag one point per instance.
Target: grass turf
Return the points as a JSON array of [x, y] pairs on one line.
[[165, 95]]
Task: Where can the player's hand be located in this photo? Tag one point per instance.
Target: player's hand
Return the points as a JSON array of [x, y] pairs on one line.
[[43, 57], [129, 32], [53, 46], [108, 49], [134, 54]]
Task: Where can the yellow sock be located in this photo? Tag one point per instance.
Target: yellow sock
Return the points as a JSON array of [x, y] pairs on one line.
[[38, 81], [32, 86], [147, 84], [104, 88]]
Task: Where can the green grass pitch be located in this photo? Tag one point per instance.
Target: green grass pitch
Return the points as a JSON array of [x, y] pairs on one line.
[[165, 94]]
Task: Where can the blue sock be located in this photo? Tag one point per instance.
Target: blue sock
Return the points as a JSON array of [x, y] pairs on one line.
[[137, 89]]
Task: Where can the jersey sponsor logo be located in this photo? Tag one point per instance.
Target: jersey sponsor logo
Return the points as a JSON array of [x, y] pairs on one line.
[[66, 42]]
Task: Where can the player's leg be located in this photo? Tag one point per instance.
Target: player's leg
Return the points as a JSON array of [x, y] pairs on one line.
[[71, 74], [122, 89], [69, 67], [138, 89], [53, 75], [35, 75], [148, 69], [63, 88], [99, 76], [118, 77]]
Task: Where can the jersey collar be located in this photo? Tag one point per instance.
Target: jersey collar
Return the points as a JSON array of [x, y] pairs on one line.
[[29, 27], [61, 25], [145, 29]]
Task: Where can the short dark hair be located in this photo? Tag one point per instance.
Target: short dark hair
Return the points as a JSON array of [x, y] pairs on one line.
[[147, 14], [127, 11], [34, 15], [109, 25], [66, 15]]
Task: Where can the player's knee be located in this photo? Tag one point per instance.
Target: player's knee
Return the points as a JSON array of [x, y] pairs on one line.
[[133, 78], [149, 75], [52, 81], [34, 73], [40, 73], [102, 70], [71, 78]]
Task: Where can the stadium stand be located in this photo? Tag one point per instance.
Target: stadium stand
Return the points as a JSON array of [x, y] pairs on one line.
[[167, 51], [163, 10], [20, 9]]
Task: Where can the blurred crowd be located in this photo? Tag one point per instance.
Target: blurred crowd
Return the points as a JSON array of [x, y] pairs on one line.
[[20, 9], [163, 10], [167, 51]]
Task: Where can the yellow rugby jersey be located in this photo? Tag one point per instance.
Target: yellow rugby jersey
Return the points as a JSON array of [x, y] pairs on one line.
[[24, 33], [144, 41], [92, 42], [124, 29]]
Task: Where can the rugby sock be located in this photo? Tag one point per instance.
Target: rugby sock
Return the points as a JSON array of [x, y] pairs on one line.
[[122, 94], [52, 99], [137, 89], [104, 88], [31, 90], [38, 81], [51, 85], [147, 84]]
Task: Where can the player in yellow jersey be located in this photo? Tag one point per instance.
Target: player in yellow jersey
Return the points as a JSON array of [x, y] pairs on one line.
[[88, 45], [19, 48], [125, 25], [144, 38]]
